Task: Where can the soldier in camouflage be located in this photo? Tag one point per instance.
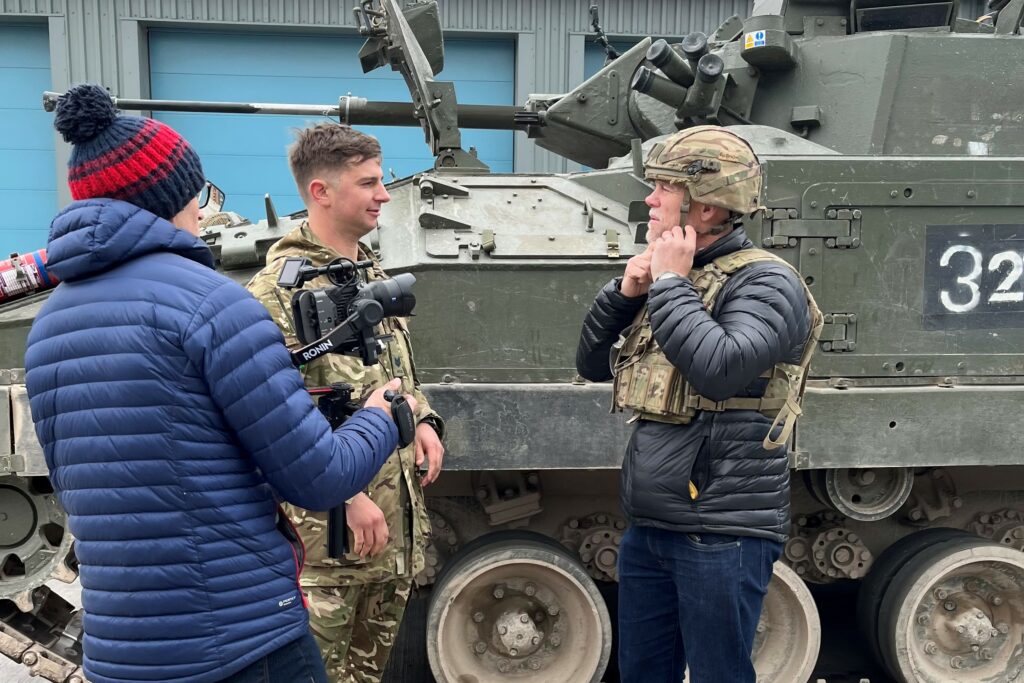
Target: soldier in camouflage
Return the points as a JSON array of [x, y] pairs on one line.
[[356, 604]]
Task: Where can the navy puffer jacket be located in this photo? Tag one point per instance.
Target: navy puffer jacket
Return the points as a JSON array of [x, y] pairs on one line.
[[760, 318], [170, 415]]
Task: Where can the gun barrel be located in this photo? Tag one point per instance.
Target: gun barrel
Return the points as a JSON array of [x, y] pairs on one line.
[[350, 110]]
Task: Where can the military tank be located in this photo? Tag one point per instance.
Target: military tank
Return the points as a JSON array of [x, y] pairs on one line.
[[891, 139]]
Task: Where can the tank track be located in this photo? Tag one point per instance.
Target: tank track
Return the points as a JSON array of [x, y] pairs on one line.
[[47, 639]]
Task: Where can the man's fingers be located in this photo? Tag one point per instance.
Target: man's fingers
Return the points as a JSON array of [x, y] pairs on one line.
[[357, 542], [419, 453], [434, 466], [380, 537]]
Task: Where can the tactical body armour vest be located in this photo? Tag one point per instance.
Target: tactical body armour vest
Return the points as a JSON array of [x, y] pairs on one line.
[[647, 383]]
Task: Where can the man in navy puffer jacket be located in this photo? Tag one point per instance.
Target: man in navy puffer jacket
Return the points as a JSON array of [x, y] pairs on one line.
[[171, 419]]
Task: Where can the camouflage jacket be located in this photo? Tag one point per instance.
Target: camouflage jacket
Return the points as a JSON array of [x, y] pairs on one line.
[[396, 489]]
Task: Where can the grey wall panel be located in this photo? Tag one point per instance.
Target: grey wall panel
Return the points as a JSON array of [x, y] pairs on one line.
[[43, 7]]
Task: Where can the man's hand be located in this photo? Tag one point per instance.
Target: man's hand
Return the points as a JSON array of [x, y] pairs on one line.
[[429, 446], [377, 400], [368, 526], [637, 279], [674, 251]]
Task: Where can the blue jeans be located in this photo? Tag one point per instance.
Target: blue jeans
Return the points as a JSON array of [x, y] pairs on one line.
[[690, 599], [297, 662]]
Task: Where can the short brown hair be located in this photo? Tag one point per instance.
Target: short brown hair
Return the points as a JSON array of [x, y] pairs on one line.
[[327, 147]]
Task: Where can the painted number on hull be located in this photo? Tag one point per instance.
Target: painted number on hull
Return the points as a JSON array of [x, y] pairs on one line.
[[974, 276]]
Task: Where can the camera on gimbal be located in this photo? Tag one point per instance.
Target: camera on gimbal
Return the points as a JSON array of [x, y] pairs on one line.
[[342, 319]]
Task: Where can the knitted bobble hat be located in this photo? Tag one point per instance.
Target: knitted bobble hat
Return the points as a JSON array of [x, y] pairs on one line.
[[131, 158]]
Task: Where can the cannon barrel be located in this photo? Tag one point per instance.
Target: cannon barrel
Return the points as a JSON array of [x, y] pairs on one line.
[[350, 110]]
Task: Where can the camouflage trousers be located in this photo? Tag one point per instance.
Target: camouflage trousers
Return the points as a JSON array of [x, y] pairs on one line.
[[356, 626]]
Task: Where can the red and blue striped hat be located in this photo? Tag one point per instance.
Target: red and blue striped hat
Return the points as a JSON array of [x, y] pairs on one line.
[[131, 158]]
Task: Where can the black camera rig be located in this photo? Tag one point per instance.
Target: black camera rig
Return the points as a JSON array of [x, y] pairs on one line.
[[341, 319]]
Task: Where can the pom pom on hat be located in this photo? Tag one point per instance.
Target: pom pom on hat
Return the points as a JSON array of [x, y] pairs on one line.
[[138, 160], [83, 113]]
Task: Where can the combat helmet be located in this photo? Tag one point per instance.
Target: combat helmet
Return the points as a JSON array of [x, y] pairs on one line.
[[717, 166]]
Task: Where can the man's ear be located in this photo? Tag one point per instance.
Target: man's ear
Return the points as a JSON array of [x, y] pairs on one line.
[[318, 191]]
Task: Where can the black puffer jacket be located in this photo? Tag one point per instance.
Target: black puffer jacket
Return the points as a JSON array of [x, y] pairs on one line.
[[760, 318]]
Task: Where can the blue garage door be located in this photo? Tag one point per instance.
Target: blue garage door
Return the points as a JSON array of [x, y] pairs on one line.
[[28, 191], [245, 154]]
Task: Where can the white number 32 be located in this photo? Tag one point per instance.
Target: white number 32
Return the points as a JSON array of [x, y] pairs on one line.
[[970, 281]]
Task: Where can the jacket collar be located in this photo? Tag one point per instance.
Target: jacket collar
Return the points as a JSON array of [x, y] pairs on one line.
[[734, 241], [94, 235]]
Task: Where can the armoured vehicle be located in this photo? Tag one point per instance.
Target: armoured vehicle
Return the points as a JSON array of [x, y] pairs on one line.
[[892, 138]]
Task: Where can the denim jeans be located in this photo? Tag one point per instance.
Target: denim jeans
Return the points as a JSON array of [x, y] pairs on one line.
[[297, 662], [690, 600]]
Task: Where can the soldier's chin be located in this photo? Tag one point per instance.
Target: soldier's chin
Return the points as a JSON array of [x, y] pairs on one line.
[[654, 231]]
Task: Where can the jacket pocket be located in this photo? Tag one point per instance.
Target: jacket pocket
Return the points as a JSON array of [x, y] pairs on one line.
[[700, 472]]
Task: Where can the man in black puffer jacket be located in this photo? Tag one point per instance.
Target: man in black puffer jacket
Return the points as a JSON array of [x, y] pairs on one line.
[[711, 362]]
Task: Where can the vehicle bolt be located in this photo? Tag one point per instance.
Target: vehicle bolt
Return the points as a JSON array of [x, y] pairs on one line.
[[971, 194], [853, 538], [1003, 628], [812, 251], [916, 514], [994, 632], [961, 629], [535, 640], [499, 592], [958, 502], [503, 630], [530, 589], [480, 647], [831, 213], [524, 619], [814, 205], [533, 663], [553, 610], [513, 651], [819, 21], [478, 617], [574, 523], [979, 614], [555, 640], [930, 648], [504, 665], [894, 194], [29, 658], [924, 620], [581, 97], [956, 662], [975, 647], [949, 605], [941, 594]]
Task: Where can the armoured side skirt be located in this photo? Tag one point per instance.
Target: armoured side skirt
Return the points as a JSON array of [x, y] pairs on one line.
[[910, 427], [529, 426]]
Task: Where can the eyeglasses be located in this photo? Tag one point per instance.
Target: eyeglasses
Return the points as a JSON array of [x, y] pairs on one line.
[[210, 196]]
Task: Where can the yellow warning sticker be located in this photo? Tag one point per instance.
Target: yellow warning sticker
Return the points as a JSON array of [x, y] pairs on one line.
[[753, 39]]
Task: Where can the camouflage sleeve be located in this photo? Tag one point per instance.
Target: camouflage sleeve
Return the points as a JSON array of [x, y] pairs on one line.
[[263, 286], [424, 413]]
